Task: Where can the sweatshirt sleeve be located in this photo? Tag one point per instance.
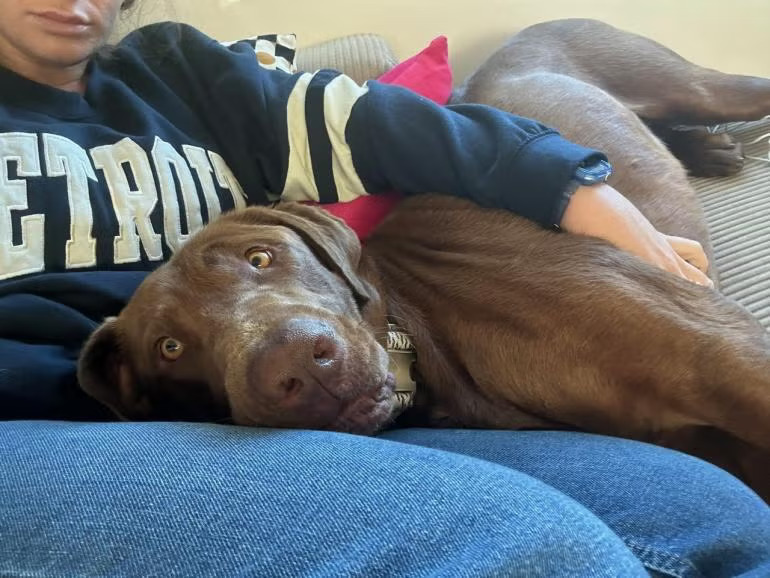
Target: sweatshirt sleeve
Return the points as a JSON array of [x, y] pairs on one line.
[[345, 139], [323, 137], [405, 142]]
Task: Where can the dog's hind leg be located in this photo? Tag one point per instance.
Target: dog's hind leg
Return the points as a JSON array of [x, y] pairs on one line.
[[659, 86], [653, 81]]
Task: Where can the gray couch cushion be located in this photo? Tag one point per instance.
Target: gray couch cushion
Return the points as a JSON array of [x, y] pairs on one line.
[[360, 56]]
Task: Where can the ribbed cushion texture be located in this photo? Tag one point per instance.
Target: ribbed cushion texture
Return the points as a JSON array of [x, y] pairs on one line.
[[738, 213], [361, 56]]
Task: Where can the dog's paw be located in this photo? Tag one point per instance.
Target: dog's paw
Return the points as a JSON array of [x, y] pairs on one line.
[[706, 154], [720, 156]]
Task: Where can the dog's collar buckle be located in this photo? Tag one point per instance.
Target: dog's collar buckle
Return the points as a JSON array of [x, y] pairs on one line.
[[402, 365]]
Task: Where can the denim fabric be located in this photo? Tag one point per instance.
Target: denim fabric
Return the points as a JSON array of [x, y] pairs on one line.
[[680, 516], [203, 500]]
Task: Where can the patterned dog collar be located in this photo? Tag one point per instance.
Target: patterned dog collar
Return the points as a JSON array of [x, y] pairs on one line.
[[402, 360]]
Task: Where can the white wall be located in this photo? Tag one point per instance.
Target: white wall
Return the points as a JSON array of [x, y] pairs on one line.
[[731, 35]]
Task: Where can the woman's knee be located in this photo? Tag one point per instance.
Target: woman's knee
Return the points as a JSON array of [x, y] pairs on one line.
[[228, 499], [677, 513]]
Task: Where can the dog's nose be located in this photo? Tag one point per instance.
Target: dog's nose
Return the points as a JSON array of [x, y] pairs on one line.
[[312, 358], [301, 357]]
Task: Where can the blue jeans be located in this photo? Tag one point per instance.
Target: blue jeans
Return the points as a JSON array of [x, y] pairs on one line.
[[202, 500]]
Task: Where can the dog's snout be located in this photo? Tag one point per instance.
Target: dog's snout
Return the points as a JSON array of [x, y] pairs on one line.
[[325, 351], [313, 360], [300, 359]]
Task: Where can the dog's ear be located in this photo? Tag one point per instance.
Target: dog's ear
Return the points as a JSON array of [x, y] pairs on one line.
[[105, 375], [333, 242]]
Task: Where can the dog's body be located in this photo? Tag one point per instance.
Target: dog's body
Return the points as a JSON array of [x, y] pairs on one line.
[[514, 326]]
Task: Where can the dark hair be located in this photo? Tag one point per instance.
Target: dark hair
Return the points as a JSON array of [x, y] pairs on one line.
[[106, 51], [151, 49]]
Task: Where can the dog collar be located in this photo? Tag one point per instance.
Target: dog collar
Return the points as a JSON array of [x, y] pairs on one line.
[[402, 360]]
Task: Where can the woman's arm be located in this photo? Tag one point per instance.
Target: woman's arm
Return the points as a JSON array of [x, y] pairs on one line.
[[323, 137]]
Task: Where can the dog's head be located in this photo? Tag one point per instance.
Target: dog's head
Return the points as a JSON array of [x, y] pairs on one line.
[[262, 319]]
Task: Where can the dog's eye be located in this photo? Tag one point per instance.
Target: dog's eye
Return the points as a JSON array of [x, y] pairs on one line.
[[259, 258], [170, 348]]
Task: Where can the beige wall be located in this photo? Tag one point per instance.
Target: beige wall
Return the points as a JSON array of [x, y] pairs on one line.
[[732, 35]]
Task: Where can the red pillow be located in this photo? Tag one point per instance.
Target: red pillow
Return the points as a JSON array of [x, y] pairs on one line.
[[427, 73]]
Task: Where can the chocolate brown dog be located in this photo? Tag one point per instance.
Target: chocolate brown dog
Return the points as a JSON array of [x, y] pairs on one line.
[[276, 317]]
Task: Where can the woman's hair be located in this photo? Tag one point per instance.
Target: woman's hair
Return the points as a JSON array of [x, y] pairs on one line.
[[107, 50], [132, 13]]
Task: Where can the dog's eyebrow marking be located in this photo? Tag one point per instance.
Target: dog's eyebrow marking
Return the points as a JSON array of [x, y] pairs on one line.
[[210, 258], [218, 249], [211, 251]]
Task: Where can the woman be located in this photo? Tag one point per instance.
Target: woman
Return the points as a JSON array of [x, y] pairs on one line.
[[111, 159]]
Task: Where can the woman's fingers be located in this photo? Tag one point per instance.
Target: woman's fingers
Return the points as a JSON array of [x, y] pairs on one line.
[[694, 274], [689, 250], [669, 259], [601, 211], [692, 260]]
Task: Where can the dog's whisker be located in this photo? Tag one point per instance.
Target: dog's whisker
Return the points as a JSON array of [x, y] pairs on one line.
[[398, 319]]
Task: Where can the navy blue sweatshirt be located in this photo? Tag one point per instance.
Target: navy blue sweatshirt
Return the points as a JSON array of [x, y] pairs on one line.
[[98, 189]]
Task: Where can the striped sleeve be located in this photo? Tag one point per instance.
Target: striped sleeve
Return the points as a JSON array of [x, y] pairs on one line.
[[320, 164], [323, 137]]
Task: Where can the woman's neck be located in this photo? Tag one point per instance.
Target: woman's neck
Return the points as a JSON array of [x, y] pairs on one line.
[[70, 78]]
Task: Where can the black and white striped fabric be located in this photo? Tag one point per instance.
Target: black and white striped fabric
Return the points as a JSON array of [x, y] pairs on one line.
[[273, 51], [402, 365], [320, 165]]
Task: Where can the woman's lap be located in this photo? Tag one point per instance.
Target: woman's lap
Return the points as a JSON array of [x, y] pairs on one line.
[[678, 514], [174, 499]]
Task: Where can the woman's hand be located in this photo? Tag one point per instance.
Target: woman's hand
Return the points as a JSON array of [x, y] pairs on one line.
[[601, 211]]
